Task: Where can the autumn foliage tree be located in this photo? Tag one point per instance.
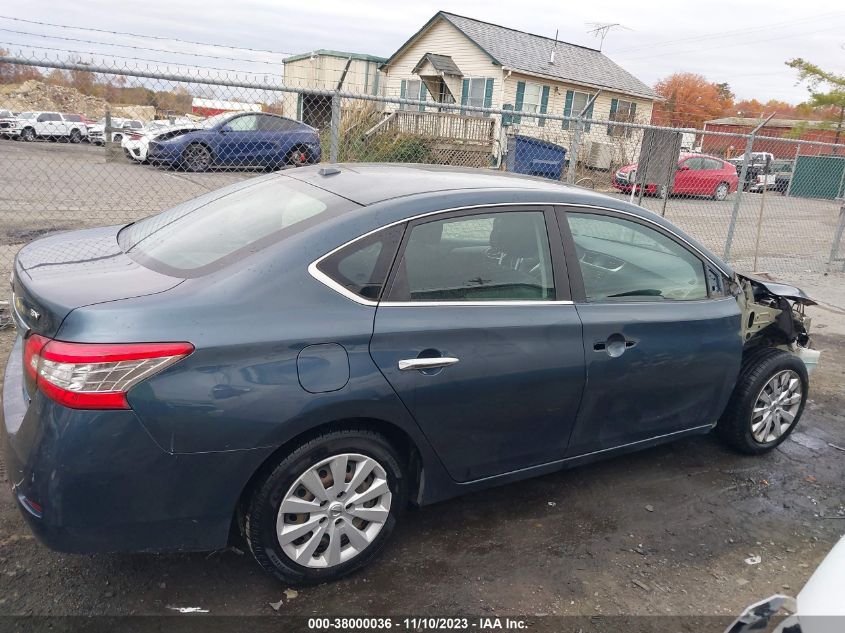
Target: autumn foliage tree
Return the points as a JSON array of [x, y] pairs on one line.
[[689, 100]]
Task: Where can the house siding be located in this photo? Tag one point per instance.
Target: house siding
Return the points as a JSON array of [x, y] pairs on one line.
[[444, 39], [324, 72]]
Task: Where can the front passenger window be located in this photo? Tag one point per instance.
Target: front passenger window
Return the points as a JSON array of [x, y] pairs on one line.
[[622, 260], [486, 257]]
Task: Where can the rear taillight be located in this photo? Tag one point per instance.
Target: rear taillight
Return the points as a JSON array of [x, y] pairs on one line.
[[95, 375]]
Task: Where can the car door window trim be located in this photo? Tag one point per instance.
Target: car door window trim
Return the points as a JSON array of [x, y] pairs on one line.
[[330, 283]]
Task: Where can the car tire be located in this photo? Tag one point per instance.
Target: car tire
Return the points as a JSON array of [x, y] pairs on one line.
[[721, 192], [75, 136], [298, 157], [313, 462], [196, 157], [767, 376], [27, 135]]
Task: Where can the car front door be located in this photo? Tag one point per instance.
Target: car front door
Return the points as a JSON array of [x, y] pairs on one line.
[[688, 176], [237, 142], [661, 332], [478, 337]]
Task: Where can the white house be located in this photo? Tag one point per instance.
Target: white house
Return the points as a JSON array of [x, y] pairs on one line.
[[456, 59]]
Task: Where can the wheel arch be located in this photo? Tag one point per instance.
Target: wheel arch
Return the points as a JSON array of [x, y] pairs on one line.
[[409, 453]]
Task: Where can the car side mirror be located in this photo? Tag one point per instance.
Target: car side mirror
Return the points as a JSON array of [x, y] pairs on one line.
[[225, 129], [683, 168]]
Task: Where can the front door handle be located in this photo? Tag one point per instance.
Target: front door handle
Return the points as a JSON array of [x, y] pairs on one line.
[[426, 363], [615, 345]]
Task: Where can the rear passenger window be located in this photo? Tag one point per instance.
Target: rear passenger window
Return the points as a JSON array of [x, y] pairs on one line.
[[491, 257], [362, 267]]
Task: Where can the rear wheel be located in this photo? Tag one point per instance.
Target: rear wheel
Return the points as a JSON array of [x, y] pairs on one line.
[[766, 403], [721, 191], [328, 507], [196, 157], [298, 156], [75, 136]]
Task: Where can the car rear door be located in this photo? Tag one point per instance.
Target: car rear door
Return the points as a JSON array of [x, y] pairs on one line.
[[478, 337], [661, 332]]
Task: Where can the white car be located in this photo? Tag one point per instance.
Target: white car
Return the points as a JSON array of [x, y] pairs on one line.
[[120, 127], [28, 126], [7, 118], [819, 607], [136, 143]]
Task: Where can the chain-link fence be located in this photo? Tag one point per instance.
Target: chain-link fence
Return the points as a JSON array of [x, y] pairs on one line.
[[87, 145]]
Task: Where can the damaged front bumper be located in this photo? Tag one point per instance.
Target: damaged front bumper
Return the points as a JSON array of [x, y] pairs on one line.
[[773, 315]]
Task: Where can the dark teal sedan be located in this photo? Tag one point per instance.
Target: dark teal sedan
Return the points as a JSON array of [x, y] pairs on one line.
[[291, 360]]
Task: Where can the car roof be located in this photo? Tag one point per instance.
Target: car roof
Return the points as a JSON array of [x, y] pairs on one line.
[[369, 183], [414, 188]]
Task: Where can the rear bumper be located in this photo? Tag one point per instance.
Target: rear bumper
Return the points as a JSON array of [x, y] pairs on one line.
[[103, 484]]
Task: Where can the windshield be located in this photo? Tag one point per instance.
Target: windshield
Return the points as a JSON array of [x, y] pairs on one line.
[[4, 114], [212, 121], [26, 115], [205, 233]]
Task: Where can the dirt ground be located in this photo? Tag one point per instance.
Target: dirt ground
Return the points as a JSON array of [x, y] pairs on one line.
[[664, 531]]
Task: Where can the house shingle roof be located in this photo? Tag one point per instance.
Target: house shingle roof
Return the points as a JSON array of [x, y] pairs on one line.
[[530, 53]]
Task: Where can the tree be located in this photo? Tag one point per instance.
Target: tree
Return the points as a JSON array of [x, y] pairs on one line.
[[834, 99], [16, 73], [690, 100]]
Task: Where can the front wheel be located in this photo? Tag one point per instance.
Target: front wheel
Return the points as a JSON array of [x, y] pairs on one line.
[[327, 508], [196, 158], [766, 403], [28, 135], [721, 191]]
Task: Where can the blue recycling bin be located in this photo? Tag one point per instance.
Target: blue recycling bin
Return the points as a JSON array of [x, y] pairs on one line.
[[532, 156]]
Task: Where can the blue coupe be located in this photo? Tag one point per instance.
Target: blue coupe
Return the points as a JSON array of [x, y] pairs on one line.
[[292, 359], [252, 139]]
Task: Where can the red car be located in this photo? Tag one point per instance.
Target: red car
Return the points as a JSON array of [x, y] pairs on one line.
[[696, 175]]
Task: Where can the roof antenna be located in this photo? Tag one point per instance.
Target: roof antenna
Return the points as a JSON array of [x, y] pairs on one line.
[[554, 48], [601, 29]]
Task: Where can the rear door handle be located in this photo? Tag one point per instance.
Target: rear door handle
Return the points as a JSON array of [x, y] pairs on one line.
[[426, 363]]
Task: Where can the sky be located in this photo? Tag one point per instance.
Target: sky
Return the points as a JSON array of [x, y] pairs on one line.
[[743, 43]]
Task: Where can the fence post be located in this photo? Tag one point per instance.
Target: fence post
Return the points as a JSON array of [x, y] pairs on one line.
[[107, 128], [740, 188], [334, 142], [574, 146]]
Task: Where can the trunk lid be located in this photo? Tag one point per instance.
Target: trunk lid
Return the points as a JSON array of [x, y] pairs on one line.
[[61, 272]]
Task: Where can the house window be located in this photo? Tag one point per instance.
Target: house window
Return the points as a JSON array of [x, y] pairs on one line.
[[475, 90], [531, 99], [625, 111], [574, 104], [415, 90]]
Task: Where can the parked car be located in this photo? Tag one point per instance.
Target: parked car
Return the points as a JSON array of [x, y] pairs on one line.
[[296, 356], [28, 126], [7, 118], [79, 122], [775, 177], [239, 140], [136, 143], [817, 609], [120, 127], [696, 175]]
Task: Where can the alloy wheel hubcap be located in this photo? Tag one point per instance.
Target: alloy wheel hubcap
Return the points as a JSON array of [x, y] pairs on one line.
[[334, 510], [776, 407]]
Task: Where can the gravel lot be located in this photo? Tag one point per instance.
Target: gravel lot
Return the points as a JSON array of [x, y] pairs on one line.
[[658, 532], [48, 186]]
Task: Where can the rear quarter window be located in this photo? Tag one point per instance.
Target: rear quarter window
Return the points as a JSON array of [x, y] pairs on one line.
[[208, 233]]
